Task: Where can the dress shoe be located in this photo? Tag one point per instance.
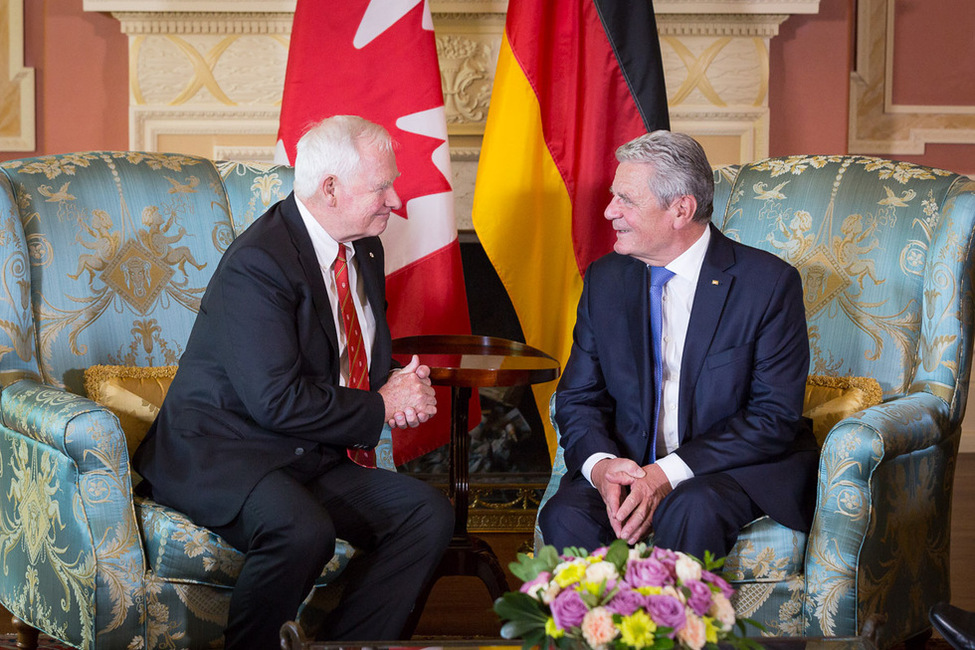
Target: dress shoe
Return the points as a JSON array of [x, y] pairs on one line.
[[956, 625]]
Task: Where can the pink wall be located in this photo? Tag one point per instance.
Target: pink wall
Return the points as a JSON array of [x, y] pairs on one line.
[[81, 67], [80, 62], [809, 79]]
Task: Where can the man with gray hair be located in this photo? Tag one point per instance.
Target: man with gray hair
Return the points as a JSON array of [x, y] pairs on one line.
[[287, 368], [680, 407]]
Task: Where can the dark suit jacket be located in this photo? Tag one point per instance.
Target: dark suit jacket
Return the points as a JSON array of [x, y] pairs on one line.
[[742, 378], [258, 383]]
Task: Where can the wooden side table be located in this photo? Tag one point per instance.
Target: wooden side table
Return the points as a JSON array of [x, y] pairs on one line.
[[463, 363]]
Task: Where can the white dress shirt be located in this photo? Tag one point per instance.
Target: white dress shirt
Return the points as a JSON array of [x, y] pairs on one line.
[[327, 250], [676, 302]]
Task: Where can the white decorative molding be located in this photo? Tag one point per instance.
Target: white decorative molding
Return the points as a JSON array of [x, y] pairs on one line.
[[788, 7], [143, 22], [743, 25], [17, 126], [175, 6], [244, 154], [877, 125], [147, 125]]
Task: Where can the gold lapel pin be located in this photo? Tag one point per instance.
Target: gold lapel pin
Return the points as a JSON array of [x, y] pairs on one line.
[[715, 282]]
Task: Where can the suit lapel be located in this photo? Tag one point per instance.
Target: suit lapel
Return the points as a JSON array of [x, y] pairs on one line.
[[369, 258], [309, 264], [637, 305], [713, 286]]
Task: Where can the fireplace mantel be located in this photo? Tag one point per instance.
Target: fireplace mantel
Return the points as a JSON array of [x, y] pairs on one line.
[[205, 76]]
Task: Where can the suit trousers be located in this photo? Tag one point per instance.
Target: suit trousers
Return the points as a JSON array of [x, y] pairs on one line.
[[287, 529], [702, 513]]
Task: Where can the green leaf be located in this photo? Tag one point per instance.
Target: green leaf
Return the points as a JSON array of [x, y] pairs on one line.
[[528, 567], [516, 606], [520, 629], [618, 553]]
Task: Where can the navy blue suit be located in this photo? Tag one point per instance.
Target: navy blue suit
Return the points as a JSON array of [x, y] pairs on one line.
[[251, 442], [742, 384]]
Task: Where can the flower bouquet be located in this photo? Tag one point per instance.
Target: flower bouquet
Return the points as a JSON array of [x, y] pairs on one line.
[[618, 598]]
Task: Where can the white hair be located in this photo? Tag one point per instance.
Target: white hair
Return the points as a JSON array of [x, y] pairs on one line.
[[332, 146]]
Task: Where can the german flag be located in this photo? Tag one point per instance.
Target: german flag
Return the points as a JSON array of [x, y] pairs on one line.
[[575, 80]]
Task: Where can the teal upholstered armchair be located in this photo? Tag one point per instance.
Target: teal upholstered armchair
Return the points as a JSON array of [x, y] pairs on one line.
[[105, 256], [885, 253]]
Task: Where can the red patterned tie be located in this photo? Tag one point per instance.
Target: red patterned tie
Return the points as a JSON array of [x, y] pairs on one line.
[[358, 365]]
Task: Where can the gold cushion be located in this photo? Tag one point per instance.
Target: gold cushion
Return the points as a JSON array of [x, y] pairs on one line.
[[133, 394], [830, 399]]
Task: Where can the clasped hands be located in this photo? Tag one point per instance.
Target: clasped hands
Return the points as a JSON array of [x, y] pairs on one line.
[[409, 396], [631, 494]]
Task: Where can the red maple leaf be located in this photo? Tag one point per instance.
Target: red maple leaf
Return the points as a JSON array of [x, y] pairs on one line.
[[394, 75]]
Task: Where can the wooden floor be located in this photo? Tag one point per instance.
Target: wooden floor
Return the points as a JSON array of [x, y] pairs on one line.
[[462, 606]]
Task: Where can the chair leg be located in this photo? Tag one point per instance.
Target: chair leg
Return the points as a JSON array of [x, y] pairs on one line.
[[26, 635], [918, 641]]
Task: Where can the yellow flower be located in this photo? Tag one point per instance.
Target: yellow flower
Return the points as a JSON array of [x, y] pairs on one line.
[[552, 630], [594, 588], [569, 574], [648, 590], [637, 630], [710, 630]]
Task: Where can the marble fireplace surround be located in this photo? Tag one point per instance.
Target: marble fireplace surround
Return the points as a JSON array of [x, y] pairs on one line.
[[205, 76]]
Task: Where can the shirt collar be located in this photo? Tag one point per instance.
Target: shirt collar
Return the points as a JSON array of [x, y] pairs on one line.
[[688, 264], [326, 248]]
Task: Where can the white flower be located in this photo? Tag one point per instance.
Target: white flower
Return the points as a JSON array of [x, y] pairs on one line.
[[549, 593], [687, 569], [722, 611], [601, 571]]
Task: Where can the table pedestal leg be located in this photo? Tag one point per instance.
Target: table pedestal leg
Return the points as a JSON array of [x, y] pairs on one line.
[[466, 555]]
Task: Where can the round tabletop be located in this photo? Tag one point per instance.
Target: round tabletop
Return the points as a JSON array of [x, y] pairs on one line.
[[471, 360]]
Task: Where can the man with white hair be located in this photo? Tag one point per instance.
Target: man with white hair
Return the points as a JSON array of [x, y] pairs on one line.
[[287, 368]]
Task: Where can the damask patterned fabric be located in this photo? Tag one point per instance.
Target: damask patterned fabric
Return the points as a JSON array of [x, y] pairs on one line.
[[885, 252], [105, 258]]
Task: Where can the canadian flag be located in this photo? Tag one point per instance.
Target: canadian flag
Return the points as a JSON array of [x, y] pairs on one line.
[[378, 59]]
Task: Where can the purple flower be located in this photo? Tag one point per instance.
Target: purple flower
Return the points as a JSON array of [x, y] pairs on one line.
[[568, 609], [626, 601], [532, 587], [667, 611], [700, 597], [718, 582], [665, 556], [648, 573]]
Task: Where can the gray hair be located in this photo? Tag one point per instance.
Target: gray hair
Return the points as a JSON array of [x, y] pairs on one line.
[[332, 146], [680, 168]]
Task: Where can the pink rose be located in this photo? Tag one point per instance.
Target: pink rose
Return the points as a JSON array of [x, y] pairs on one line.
[[568, 609], [667, 611], [648, 573], [718, 582], [700, 597], [626, 601]]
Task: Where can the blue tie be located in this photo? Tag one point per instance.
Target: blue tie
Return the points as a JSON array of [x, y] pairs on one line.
[[658, 278]]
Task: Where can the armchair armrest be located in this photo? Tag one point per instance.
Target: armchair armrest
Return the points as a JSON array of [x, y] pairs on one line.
[[71, 544], [867, 505]]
